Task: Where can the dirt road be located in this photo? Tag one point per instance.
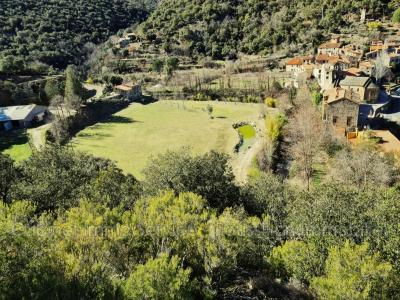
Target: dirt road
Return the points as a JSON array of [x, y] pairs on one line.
[[243, 161], [36, 135]]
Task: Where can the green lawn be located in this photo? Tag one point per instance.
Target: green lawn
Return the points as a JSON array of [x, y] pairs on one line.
[[15, 144], [249, 135], [133, 135]]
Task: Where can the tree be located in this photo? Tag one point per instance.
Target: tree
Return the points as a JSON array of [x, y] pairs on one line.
[[23, 95], [306, 132], [266, 195], [8, 177], [381, 68], [83, 238], [208, 175], [73, 85], [361, 166], [333, 212], [157, 66], [11, 65], [317, 98], [396, 16], [28, 266], [210, 110], [168, 223], [160, 278], [113, 189], [171, 65], [274, 125], [52, 178], [52, 89], [115, 80], [352, 273], [297, 259]]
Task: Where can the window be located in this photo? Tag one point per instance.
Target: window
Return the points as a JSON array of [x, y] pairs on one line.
[[349, 121], [334, 120]]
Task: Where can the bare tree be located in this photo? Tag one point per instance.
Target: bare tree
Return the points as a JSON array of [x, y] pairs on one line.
[[306, 134], [303, 97], [382, 67], [360, 167], [229, 71]]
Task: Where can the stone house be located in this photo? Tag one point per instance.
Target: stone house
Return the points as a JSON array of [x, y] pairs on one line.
[[296, 64], [341, 110], [366, 67], [129, 91], [330, 48], [364, 86], [353, 53]]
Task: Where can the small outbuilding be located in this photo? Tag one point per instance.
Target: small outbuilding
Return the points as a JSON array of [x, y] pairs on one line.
[[129, 91], [22, 116]]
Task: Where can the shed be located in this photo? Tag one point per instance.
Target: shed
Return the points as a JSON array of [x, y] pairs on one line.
[[21, 116], [129, 91]]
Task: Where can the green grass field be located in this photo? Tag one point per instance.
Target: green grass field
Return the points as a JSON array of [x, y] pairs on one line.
[[133, 135], [16, 145]]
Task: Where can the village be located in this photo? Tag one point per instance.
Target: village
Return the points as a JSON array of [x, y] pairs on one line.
[[357, 90]]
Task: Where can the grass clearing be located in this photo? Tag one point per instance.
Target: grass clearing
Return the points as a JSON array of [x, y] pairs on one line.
[[248, 134], [16, 144], [138, 132]]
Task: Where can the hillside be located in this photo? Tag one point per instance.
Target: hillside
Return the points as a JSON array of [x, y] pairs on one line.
[[54, 32], [223, 28]]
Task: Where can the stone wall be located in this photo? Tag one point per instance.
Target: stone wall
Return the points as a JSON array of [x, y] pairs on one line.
[[342, 114]]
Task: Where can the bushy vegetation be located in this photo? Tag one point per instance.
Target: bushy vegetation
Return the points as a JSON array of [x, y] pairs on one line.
[[396, 16], [222, 29], [82, 229], [37, 34]]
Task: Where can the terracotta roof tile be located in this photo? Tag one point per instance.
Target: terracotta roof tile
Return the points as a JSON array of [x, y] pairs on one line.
[[329, 45]]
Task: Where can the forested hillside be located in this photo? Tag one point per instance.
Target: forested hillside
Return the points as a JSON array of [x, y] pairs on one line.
[[222, 28], [54, 32]]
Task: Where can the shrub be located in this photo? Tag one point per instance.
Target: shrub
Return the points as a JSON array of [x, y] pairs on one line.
[[90, 80], [372, 26], [201, 97], [396, 16], [317, 98], [274, 125], [270, 102], [251, 99]]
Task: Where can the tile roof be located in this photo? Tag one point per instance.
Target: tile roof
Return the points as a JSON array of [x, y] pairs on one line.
[[295, 62], [125, 86], [298, 61], [353, 71], [356, 81], [329, 45], [322, 57], [338, 94]]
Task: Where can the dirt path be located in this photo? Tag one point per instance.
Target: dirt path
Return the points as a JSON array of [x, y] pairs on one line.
[[36, 135], [243, 161]]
